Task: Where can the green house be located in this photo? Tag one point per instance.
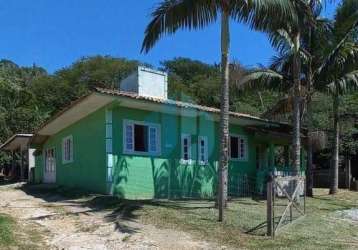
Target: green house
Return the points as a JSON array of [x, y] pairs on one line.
[[135, 143]]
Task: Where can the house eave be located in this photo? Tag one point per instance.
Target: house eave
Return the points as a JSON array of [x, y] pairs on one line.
[[16, 141], [100, 98], [73, 113]]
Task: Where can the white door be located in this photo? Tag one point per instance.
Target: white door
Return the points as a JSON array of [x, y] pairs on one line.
[[50, 166]]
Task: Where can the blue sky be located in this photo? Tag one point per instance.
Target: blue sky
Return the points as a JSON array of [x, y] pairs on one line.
[[53, 34]]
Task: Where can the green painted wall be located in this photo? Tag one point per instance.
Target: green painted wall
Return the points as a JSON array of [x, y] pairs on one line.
[[138, 176], [38, 168], [88, 169]]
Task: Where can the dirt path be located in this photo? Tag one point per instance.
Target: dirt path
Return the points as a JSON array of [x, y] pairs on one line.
[[68, 224]]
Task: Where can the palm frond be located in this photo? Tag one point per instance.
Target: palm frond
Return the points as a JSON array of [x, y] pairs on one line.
[[266, 15], [171, 15], [258, 78], [346, 83], [348, 55], [346, 14], [281, 40], [334, 52], [345, 37], [281, 62]]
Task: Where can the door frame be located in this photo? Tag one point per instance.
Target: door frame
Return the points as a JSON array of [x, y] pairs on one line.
[[53, 178]]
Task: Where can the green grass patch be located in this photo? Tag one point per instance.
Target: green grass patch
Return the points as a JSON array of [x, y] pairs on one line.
[[16, 236], [6, 230]]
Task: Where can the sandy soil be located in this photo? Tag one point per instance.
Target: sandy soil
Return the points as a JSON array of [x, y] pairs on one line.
[[68, 224]]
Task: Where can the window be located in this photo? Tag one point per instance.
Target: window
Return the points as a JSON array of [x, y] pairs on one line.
[[185, 148], [140, 137], [238, 147], [67, 149], [203, 150]]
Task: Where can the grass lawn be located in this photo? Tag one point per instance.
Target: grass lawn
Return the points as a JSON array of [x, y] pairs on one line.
[[321, 228], [6, 230], [15, 236]]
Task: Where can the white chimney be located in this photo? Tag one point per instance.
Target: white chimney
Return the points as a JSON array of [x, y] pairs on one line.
[[146, 82]]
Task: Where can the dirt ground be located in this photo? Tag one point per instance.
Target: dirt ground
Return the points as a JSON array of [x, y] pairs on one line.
[[70, 224]]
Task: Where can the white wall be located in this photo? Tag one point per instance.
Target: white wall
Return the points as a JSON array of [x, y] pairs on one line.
[[147, 82], [31, 158]]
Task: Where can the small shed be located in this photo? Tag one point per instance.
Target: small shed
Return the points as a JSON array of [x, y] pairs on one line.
[[22, 156]]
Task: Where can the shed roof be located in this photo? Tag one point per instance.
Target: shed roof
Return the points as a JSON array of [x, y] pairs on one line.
[[16, 141]]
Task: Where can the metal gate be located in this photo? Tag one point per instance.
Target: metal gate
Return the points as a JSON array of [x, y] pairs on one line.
[[286, 201]]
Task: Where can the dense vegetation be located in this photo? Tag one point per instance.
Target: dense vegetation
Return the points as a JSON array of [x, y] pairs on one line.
[[30, 95]]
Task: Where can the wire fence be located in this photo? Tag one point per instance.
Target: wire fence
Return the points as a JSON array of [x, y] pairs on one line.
[[286, 200]]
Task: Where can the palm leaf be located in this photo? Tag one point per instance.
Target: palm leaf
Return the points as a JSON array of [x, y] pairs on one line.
[[265, 15], [329, 60], [171, 15], [347, 82], [257, 78]]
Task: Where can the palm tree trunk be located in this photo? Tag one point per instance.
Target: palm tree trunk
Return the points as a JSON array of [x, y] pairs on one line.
[[224, 115], [335, 158], [309, 172], [309, 177], [296, 139]]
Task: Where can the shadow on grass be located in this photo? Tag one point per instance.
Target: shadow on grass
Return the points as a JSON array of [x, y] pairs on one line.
[[123, 213], [118, 211]]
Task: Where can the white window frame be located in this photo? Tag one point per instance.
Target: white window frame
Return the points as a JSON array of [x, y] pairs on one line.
[[70, 159], [182, 160], [205, 150], [150, 152], [246, 148]]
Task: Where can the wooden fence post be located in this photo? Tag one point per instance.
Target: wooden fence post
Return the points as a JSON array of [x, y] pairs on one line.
[[270, 225]]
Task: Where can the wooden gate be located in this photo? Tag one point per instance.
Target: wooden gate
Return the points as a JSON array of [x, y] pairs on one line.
[[286, 201]]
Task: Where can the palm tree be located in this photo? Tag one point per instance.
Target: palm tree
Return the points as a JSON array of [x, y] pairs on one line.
[[287, 38], [172, 15], [333, 64], [340, 71]]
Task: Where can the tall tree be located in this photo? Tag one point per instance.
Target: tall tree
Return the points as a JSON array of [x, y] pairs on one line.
[[286, 36], [329, 54], [340, 71], [292, 32], [172, 15]]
